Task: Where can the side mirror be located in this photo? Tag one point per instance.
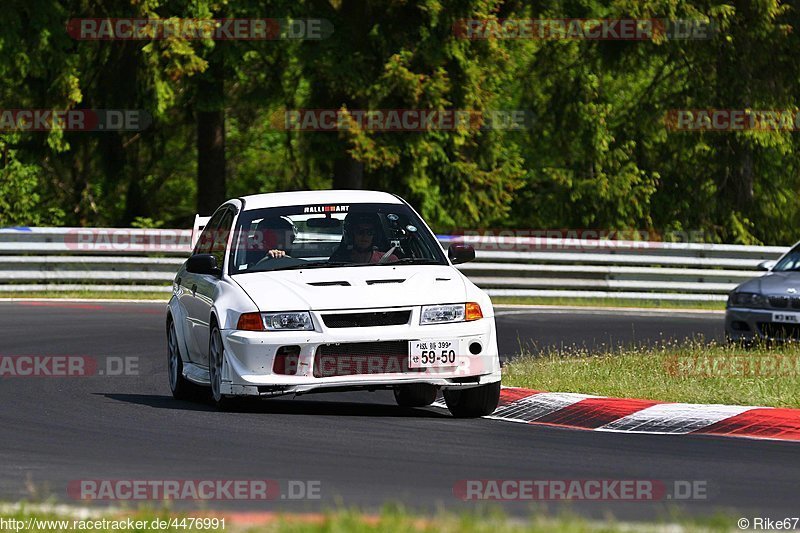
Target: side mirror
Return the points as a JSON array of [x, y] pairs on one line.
[[766, 265], [203, 264], [461, 253]]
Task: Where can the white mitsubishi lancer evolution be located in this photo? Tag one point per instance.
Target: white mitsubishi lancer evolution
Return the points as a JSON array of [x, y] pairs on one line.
[[299, 292]]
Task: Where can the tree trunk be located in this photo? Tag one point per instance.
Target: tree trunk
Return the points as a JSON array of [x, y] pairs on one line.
[[348, 173], [211, 135]]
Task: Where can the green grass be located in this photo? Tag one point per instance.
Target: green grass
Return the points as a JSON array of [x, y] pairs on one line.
[[392, 518], [692, 372], [608, 302], [89, 295]]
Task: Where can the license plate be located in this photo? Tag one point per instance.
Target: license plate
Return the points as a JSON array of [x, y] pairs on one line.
[[433, 353], [786, 318]]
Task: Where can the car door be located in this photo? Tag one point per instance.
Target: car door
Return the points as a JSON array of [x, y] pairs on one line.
[[189, 283], [206, 284]]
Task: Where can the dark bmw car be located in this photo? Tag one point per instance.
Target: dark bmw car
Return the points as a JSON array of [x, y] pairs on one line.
[[767, 308]]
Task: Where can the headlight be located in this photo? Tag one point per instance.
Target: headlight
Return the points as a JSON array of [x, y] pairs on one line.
[[294, 321], [443, 314], [288, 321], [747, 299]]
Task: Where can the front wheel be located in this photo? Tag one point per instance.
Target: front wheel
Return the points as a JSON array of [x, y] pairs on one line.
[[473, 402], [216, 357], [415, 395], [182, 388]]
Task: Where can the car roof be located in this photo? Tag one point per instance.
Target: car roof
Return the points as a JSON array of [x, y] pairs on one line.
[[338, 197]]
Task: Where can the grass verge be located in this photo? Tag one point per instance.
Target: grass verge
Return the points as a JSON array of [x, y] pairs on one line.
[[608, 302], [691, 372], [500, 300], [390, 519], [90, 295]]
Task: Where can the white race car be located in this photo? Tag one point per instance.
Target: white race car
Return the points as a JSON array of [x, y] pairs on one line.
[[298, 292]]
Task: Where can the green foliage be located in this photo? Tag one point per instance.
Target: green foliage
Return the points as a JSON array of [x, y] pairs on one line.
[[597, 155], [20, 202], [146, 223]]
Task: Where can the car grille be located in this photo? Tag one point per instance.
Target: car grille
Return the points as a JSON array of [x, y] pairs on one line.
[[359, 358], [366, 320], [779, 331], [784, 302], [779, 302]]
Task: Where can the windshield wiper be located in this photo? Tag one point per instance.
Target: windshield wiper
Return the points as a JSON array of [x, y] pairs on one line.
[[314, 264], [413, 261]]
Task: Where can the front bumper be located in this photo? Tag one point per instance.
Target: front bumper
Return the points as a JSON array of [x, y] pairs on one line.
[[249, 367], [748, 325]]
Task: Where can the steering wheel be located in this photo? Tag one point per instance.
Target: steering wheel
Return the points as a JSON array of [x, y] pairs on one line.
[[281, 262]]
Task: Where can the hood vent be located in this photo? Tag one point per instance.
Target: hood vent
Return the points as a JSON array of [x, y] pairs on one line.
[[330, 283], [383, 281]]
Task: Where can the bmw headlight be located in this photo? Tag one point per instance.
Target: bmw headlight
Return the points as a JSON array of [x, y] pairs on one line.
[[747, 299], [295, 321]]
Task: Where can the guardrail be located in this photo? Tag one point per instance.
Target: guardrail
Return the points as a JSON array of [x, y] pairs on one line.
[[135, 260]]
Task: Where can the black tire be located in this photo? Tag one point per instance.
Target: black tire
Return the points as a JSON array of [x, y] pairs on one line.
[[415, 395], [473, 402], [216, 354], [182, 388]]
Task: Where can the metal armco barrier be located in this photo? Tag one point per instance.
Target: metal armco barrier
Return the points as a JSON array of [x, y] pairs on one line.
[[116, 259]]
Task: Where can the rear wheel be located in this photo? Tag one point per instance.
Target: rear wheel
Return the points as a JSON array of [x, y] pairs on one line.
[[182, 388], [415, 395], [216, 357], [473, 402]]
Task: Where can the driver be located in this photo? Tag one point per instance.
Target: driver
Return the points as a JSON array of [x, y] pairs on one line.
[[360, 231], [277, 235]]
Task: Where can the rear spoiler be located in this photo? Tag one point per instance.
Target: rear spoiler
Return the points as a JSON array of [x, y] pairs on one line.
[[199, 225]]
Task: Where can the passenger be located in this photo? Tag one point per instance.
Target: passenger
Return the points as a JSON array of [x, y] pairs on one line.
[[359, 241]]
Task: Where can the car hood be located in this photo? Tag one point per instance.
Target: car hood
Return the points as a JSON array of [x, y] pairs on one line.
[[774, 283], [353, 288]]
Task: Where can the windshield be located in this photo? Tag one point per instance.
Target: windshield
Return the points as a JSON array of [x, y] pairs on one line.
[[790, 261], [325, 236]]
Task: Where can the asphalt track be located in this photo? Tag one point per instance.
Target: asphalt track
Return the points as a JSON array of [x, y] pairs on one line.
[[362, 449]]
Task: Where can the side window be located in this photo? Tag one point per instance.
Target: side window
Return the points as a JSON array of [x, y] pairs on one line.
[[790, 261], [206, 240], [220, 241]]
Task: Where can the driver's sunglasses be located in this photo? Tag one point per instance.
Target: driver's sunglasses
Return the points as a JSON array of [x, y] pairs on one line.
[[365, 231]]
